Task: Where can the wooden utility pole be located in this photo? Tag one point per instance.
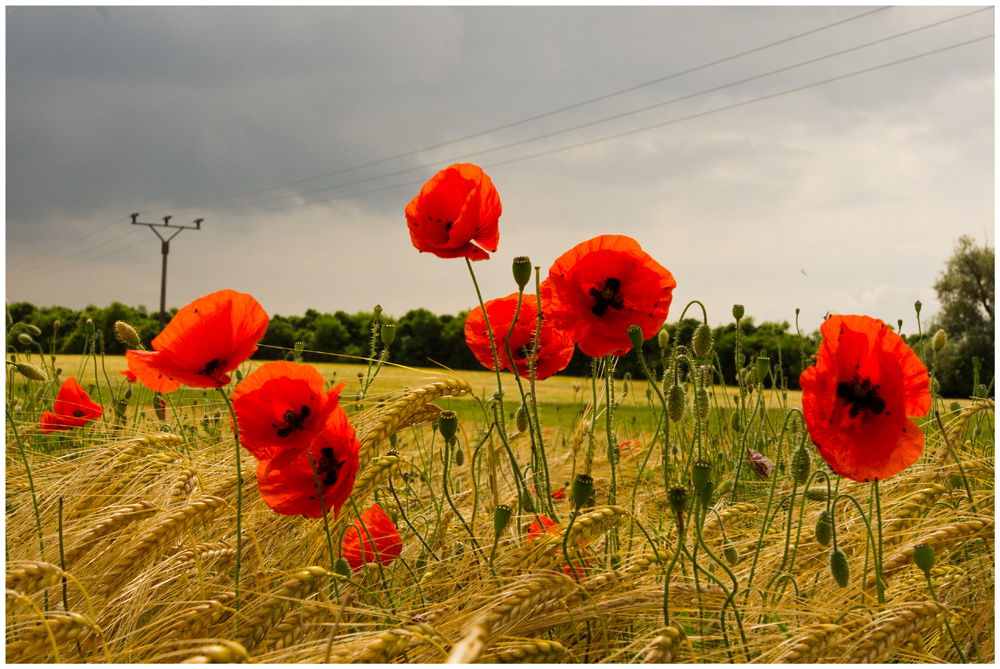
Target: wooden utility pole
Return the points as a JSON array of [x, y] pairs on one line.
[[165, 250]]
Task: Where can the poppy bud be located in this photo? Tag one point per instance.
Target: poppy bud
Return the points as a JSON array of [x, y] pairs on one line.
[[801, 464], [955, 407], [816, 494], [56, 324], [708, 495], [342, 567], [239, 376], [583, 487], [127, 335], [522, 271], [32, 330], [521, 421], [724, 488], [735, 421], [128, 393], [737, 311], [839, 567], [663, 339], [939, 340], [702, 340], [675, 403], [917, 305], [702, 404], [899, 325], [459, 457], [678, 500], [625, 383], [923, 557], [90, 327], [388, 333], [824, 528], [29, 371], [160, 407], [635, 336], [763, 368], [700, 473], [448, 424], [935, 387], [501, 516], [25, 339], [730, 553]]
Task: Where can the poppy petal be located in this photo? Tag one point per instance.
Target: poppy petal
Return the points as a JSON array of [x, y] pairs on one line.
[[357, 548]]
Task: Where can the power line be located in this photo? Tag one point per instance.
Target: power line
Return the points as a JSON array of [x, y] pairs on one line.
[[644, 128], [606, 119], [32, 269], [77, 264], [59, 248], [536, 117]]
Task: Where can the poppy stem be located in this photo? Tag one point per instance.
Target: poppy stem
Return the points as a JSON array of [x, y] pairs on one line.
[[31, 487], [326, 522], [878, 551], [664, 425], [871, 538], [535, 423], [239, 503], [947, 444]]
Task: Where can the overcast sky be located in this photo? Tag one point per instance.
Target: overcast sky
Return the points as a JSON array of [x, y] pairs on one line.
[[299, 136]]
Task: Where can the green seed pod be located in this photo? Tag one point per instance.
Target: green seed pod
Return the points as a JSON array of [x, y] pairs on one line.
[[839, 567], [501, 516], [923, 557], [824, 528], [801, 465], [917, 305], [738, 311], [448, 424], [120, 407], [763, 368], [342, 567], [675, 403], [522, 271], [25, 339], [388, 333], [678, 500], [521, 421], [939, 340], [29, 371], [127, 335], [459, 457], [700, 473], [635, 336], [708, 495], [730, 553], [702, 404], [702, 340], [663, 339], [583, 488]]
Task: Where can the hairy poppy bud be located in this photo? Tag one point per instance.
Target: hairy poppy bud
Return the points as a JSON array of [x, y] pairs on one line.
[[521, 421], [625, 383], [522, 271], [801, 465], [239, 376], [724, 488], [839, 567], [955, 407], [29, 371], [678, 500], [737, 311], [388, 333], [32, 330], [730, 553], [816, 493], [583, 488], [702, 340], [56, 324], [675, 403], [459, 457], [702, 404], [128, 392], [342, 567], [701, 470], [501, 516], [448, 424], [939, 340], [635, 336], [160, 407], [663, 339], [763, 368], [734, 421], [377, 309], [127, 335], [917, 305], [25, 339], [923, 557], [824, 528]]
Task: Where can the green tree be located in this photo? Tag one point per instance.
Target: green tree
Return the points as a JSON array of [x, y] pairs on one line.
[[966, 290]]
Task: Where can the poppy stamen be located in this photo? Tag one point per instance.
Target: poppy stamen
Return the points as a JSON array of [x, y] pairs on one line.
[[211, 366], [861, 395], [78, 413], [293, 421], [607, 294], [330, 466]]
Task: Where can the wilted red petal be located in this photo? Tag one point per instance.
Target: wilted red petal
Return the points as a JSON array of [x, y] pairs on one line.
[[456, 214], [388, 544]]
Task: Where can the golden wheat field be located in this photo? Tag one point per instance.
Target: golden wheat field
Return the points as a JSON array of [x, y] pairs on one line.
[[121, 543]]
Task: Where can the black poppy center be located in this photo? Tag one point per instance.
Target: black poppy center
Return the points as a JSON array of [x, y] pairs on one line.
[[861, 395], [211, 366], [328, 467], [78, 413], [607, 294], [293, 421]]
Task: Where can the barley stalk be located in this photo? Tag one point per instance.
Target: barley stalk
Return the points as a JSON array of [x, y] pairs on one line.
[[112, 523], [536, 652], [384, 648], [205, 552], [226, 652], [648, 558], [302, 584], [942, 577], [183, 485], [34, 641], [663, 649], [192, 622], [29, 577], [808, 647], [160, 536], [909, 512], [589, 525], [940, 538], [904, 622], [732, 512], [291, 629]]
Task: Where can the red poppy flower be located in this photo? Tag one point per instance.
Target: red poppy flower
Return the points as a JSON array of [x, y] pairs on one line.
[[388, 543], [205, 340], [603, 286], [858, 397], [555, 346], [456, 214], [627, 448], [559, 493], [281, 407], [535, 531], [128, 375], [72, 408], [288, 485]]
